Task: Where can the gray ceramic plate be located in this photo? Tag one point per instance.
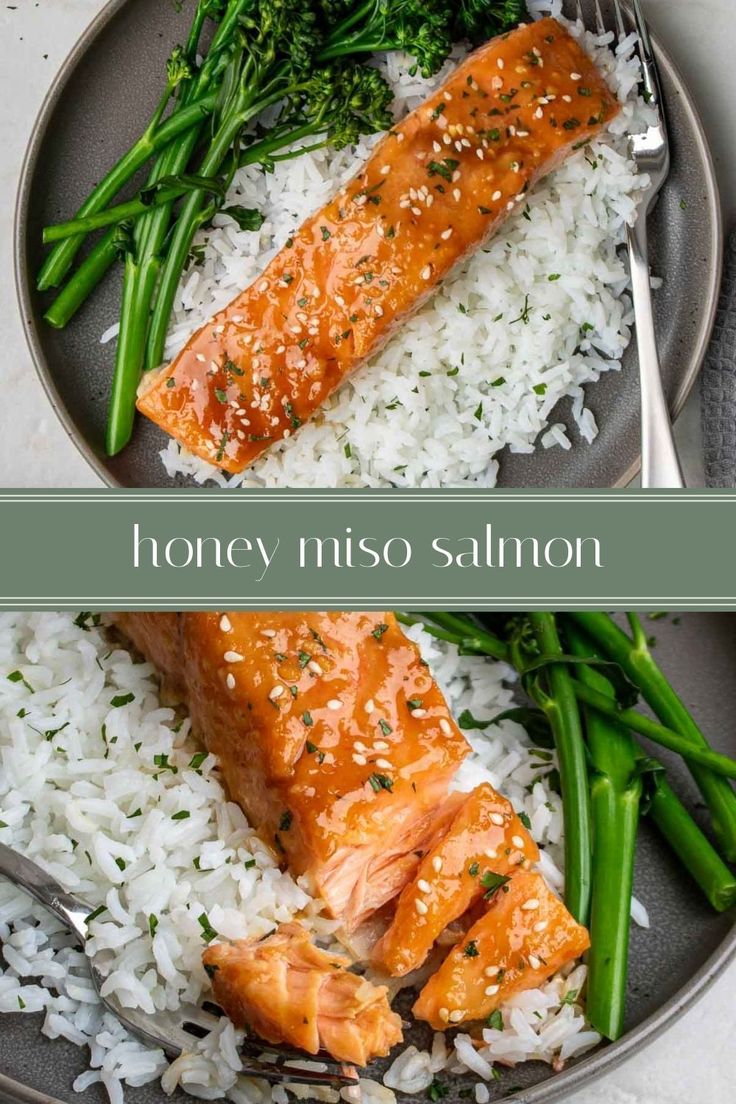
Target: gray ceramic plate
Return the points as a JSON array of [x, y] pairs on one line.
[[671, 964], [100, 102]]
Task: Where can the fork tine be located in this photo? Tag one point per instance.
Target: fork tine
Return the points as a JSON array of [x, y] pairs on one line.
[[282, 1075], [254, 1048], [600, 26], [620, 25], [579, 12], [643, 32], [650, 71]]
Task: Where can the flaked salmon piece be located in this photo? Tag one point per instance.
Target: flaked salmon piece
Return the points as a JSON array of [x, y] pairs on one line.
[[440, 182], [289, 991], [526, 935], [485, 839], [330, 731]]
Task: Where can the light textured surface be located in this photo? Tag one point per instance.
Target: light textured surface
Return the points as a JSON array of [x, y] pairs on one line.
[[35, 38]]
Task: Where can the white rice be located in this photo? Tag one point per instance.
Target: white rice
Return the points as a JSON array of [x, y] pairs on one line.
[[88, 789], [461, 380]]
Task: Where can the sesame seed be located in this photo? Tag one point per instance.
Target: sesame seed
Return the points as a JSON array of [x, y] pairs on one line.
[[334, 703], [424, 887], [419, 713], [496, 196], [496, 818], [276, 692], [359, 746], [567, 99], [491, 971], [400, 136], [534, 962], [420, 906], [540, 925], [233, 657], [378, 311], [416, 211], [201, 358], [263, 286], [575, 76], [369, 706], [385, 170], [531, 904], [496, 83], [437, 864], [499, 63], [360, 760], [225, 625], [538, 113], [381, 745], [517, 841], [230, 681], [445, 726], [426, 272], [447, 139], [444, 1014], [314, 667], [383, 764], [479, 153], [491, 854], [457, 1015], [436, 147], [491, 990], [456, 194]]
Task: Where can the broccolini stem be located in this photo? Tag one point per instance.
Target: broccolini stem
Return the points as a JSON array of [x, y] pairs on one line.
[[636, 660], [561, 707], [90, 273], [615, 793]]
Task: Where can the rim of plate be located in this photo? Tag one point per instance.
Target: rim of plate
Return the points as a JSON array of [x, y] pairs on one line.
[[25, 291], [559, 1084]]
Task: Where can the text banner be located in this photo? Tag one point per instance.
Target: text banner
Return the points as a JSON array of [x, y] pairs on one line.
[[200, 549]]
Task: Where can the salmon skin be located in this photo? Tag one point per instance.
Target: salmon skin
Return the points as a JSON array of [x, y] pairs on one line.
[[526, 935], [439, 183], [485, 838], [289, 991], [330, 732]]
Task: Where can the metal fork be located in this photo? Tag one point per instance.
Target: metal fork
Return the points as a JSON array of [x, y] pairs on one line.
[[173, 1032], [650, 151]]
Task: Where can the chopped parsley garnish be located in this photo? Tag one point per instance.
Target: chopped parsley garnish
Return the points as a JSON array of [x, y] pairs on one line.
[[437, 1090], [571, 124], [492, 882], [499, 382], [152, 924], [587, 327], [208, 932], [495, 1020], [326, 235], [249, 864], [307, 718], [16, 676], [553, 276], [121, 699], [85, 621], [93, 915], [247, 218], [286, 820], [470, 950], [526, 821], [385, 727], [183, 814], [162, 761], [539, 388], [414, 703], [197, 760], [379, 631], [474, 869], [444, 168], [569, 997], [303, 658], [311, 748], [222, 446], [221, 395], [438, 111], [381, 782], [478, 412]]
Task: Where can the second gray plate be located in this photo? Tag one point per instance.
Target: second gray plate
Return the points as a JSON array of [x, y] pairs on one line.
[[671, 964], [99, 104]]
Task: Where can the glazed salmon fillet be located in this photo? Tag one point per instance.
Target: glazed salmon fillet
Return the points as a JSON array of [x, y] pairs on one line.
[[486, 839], [331, 733], [289, 991], [526, 935], [439, 183]]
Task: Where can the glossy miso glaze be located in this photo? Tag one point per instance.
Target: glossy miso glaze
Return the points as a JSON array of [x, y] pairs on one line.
[[330, 731], [526, 935], [485, 836], [289, 991], [433, 190]]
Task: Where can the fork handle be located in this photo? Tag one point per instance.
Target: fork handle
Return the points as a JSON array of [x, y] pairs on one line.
[[48, 892], [660, 466]]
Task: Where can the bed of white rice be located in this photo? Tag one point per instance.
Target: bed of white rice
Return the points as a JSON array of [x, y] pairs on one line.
[[472, 372], [108, 798]]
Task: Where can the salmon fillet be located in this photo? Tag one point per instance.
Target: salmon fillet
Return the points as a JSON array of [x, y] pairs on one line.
[[485, 836], [330, 732], [526, 935], [289, 991], [440, 182]]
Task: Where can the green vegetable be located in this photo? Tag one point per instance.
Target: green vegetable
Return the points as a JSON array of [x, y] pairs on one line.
[[615, 794], [636, 660], [556, 697]]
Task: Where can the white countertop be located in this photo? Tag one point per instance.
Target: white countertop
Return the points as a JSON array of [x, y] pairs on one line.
[[696, 1060]]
